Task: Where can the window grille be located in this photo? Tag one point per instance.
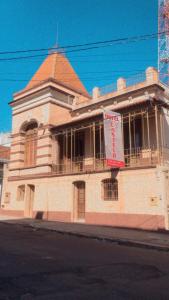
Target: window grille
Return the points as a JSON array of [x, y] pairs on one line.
[[110, 189]]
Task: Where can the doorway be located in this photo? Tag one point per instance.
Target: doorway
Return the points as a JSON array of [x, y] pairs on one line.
[[29, 201], [79, 201]]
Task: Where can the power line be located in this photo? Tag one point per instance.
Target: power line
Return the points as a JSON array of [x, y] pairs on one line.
[[94, 77], [113, 60], [136, 72], [133, 38], [89, 72], [94, 45]]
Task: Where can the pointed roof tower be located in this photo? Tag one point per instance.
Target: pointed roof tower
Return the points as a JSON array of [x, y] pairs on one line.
[[57, 67]]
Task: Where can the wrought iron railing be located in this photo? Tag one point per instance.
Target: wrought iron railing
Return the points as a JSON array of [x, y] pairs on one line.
[[130, 81], [141, 157], [108, 89], [135, 79], [135, 157]]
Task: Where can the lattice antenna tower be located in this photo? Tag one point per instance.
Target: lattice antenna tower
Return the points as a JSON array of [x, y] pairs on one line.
[[163, 41]]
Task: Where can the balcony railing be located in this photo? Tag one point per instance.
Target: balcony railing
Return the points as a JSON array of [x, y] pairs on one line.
[[137, 157]]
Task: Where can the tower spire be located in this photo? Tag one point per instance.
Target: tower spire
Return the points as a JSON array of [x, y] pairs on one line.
[[56, 48]]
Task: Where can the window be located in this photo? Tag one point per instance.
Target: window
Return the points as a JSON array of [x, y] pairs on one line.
[[21, 193], [110, 189], [30, 145]]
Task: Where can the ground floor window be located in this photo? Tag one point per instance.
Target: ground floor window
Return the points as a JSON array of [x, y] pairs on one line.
[[21, 193], [110, 189]]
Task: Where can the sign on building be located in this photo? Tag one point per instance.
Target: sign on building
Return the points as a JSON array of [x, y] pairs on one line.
[[165, 128], [113, 139]]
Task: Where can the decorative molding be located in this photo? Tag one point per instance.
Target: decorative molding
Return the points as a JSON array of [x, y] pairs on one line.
[[51, 101], [44, 155], [17, 144], [24, 177], [17, 160], [47, 126], [49, 83], [44, 136], [17, 152], [44, 146], [31, 167], [17, 134]]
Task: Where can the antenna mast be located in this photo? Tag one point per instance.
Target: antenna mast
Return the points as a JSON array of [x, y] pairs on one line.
[[163, 41]]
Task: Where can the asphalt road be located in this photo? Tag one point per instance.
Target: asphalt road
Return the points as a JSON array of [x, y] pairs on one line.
[[44, 265]]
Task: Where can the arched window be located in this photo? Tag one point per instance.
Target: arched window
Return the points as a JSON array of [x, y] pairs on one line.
[[21, 192], [110, 189], [30, 144]]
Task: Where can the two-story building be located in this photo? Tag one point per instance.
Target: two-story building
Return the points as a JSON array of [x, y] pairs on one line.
[[57, 166]]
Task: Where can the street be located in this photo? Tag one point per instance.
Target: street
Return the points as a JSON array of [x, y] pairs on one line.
[[45, 265]]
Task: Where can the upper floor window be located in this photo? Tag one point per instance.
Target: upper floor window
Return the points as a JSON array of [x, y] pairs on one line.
[[110, 189], [30, 144]]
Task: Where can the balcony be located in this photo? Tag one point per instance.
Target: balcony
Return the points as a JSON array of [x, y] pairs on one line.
[[134, 158]]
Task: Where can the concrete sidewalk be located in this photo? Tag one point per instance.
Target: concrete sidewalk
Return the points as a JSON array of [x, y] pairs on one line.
[[129, 237]]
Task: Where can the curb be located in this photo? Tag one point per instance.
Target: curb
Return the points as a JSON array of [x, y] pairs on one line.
[[122, 242], [119, 241]]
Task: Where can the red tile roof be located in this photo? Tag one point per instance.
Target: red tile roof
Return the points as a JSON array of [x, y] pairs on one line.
[[57, 67]]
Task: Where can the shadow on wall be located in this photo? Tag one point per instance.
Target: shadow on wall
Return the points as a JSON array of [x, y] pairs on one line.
[[39, 215]]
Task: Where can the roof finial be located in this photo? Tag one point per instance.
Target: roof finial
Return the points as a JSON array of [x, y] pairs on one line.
[[56, 48]]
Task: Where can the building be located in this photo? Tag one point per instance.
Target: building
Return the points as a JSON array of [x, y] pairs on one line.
[[4, 156], [4, 159], [57, 166], [5, 139]]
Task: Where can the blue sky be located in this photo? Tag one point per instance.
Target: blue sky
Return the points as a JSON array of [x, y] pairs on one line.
[[31, 24]]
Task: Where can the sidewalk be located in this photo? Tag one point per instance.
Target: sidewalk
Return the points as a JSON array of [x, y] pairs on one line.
[[123, 236]]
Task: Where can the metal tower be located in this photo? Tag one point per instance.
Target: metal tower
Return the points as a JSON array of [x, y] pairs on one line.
[[163, 41]]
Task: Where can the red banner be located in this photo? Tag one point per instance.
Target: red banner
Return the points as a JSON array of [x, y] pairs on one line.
[[113, 139]]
